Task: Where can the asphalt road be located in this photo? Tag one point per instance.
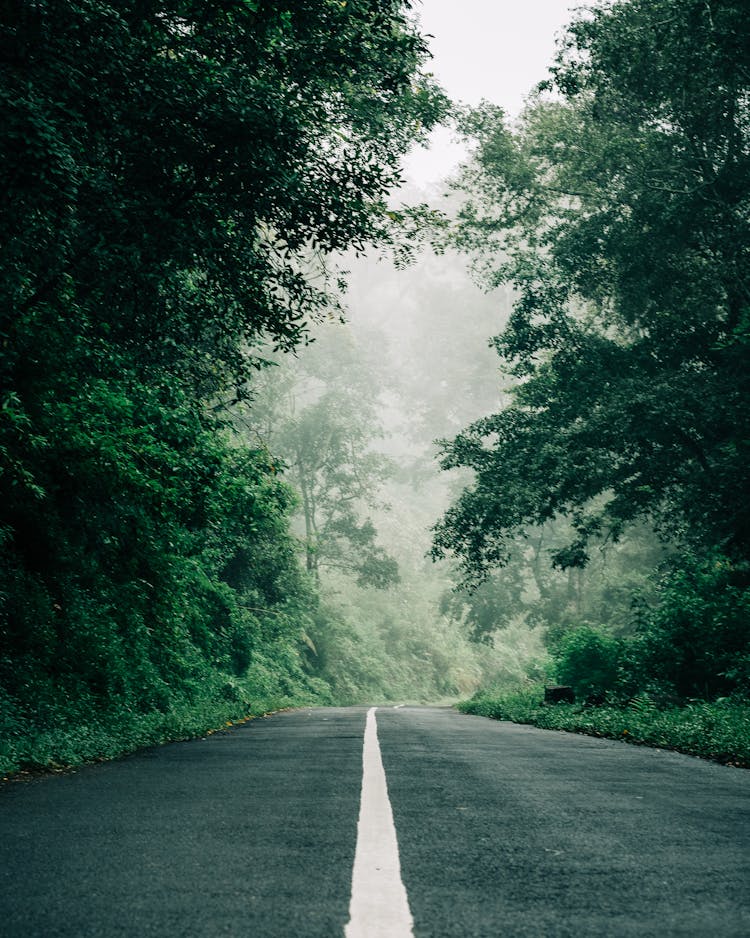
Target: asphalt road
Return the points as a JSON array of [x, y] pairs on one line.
[[502, 830]]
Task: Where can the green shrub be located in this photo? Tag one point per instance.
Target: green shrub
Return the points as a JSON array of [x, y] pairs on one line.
[[588, 660], [696, 642]]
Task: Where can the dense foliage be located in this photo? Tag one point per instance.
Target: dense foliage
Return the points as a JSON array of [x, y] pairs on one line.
[[618, 208], [174, 177]]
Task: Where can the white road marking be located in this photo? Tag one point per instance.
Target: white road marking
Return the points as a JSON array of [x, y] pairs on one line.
[[379, 905]]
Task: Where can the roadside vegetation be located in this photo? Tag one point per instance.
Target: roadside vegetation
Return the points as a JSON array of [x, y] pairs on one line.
[[676, 679], [717, 730], [177, 178], [617, 207]]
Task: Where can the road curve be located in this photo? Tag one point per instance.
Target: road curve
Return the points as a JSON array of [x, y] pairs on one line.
[[502, 830]]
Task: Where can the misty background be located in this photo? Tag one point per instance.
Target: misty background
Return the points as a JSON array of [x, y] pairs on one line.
[[372, 397]]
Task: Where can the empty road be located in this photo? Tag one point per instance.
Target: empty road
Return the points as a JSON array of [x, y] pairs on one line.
[[469, 827]]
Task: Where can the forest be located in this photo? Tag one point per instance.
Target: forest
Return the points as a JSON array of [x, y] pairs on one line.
[[278, 429]]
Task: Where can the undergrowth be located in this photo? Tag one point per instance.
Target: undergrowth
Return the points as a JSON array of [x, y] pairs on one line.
[[68, 737], [718, 730]]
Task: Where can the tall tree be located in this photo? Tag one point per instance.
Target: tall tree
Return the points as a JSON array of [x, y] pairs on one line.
[[320, 416], [619, 208], [173, 171]]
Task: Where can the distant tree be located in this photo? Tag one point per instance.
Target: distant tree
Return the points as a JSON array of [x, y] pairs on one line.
[[320, 417], [491, 606], [619, 210], [530, 589]]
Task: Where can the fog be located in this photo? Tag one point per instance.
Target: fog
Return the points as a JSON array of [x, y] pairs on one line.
[[483, 50], [357, 417]]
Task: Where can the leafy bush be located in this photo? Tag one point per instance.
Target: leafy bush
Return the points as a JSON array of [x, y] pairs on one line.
[[691, 642], [588, 660], [71, 734], [696, 641], [155, 572]]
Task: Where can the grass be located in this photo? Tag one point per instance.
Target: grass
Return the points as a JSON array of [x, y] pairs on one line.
[[719, 730], [66, 737], [109, 737]]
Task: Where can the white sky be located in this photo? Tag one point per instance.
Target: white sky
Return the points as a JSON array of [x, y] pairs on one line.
[[493, 49]]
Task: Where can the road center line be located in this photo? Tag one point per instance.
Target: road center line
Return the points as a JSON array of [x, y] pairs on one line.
[[379, 906]]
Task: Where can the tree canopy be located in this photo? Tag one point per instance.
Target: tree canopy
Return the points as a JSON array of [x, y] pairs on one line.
[[619, 209], [179, 167]]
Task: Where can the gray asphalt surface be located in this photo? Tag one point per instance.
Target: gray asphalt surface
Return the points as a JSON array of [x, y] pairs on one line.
[[503, 831], [246, 833], [514, 831]]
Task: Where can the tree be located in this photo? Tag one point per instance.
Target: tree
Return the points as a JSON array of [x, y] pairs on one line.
[[331, 464], [620, 207], [175, 170], [176, 178], [320, 417]]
